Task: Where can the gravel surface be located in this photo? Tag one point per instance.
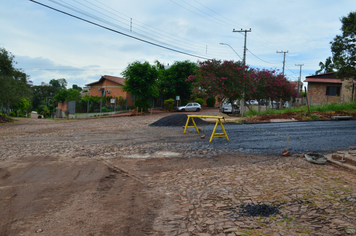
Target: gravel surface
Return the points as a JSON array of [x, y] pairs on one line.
[[120, 176]]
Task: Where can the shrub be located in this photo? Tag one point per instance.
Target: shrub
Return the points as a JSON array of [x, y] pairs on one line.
[[143, 103], [168, 104], [105, 109], [200, 101], [12, 113], [210, 102]]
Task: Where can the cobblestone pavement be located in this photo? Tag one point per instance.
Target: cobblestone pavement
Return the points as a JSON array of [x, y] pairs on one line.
[[312, 200], [205, 195]]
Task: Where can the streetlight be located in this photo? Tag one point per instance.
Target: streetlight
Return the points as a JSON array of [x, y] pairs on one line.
[[231, 48]]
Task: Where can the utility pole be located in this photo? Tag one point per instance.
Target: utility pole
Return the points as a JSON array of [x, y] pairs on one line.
[[284, 59], [242, 102], [240, 31], [300, 77]]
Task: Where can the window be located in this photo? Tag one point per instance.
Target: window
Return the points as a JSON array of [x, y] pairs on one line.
[[332, 91]]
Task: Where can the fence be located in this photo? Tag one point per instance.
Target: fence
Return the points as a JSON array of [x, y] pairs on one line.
[[109, 105], [100, 106]]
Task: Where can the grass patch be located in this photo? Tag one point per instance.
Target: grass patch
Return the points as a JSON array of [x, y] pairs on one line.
[[303, 110]]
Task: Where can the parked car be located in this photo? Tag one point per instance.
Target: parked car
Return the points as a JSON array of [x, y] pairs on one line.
[[192, 106], [227, 109], [263, 102], [253, 102]]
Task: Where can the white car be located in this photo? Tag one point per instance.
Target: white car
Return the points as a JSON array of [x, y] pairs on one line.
[[253, 102], [227, 109], [192, 106]]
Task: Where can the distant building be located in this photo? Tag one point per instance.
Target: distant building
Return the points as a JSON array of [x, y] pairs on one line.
[[110, 86], [327, 88]]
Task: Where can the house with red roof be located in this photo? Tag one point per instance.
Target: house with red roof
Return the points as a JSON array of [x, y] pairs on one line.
[[110, 86], [327, 88]]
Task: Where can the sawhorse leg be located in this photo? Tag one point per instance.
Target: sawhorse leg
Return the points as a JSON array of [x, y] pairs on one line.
[[218, 121], [186, 125]]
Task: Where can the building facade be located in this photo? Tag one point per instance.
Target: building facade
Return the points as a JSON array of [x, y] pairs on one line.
[[327, 88]]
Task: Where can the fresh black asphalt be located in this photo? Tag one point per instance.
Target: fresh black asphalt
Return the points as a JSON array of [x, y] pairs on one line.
[[271, 138]]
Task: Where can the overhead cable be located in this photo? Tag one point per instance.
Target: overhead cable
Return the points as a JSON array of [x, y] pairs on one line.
[[118, 32]]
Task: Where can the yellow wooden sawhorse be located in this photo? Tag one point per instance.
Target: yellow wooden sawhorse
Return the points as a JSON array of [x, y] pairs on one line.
[[218, 121]]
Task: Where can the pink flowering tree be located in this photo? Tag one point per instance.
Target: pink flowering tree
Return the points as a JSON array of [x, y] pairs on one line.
[[227, 79], [233, 81], [270, 84]]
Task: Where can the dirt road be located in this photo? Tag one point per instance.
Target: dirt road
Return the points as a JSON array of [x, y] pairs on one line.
[[117, 176]]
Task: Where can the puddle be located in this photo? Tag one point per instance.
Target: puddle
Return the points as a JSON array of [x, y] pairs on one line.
[[145, 156], [159, 154], [165, 154]]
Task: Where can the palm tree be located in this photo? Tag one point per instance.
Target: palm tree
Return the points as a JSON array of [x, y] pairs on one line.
[[329, 66]]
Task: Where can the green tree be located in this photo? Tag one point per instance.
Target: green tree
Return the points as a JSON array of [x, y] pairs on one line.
[[22, 107], [326, 67], [343, 47], [173, 81], [58, 83], [141, 81], [13, 82], [74, 86], [64, 95], [43, 95]]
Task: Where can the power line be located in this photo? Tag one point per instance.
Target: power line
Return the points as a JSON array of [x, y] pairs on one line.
[[262, 59], [232, 49], [80, 11], [118, 32]]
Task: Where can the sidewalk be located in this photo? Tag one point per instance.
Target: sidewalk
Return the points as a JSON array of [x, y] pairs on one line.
[[344, 159]]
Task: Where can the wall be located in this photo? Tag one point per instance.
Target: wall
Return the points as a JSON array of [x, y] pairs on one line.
[[346, 89], [115, 90], [317, 92], [62, 106]]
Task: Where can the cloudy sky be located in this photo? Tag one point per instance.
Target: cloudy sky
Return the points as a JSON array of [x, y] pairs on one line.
[[91, 38]]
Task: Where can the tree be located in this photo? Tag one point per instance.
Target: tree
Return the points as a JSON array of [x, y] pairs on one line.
[[173, 81], [228, 79], [326, 67], [64, 95], [13, 82], [343, 47], [58, 83], [270, 84], [22, 107], [74, 86], [141, 81], [43, 95]]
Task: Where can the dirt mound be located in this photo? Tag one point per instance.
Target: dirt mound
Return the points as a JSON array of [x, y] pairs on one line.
[[177, 120], [4, 119]]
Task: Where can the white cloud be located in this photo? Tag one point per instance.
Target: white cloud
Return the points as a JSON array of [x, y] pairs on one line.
[[42, 39]]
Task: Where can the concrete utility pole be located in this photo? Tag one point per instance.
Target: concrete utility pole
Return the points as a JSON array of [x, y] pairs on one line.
[[240, 31], [300, 76], [242, 102], [284, 59]]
